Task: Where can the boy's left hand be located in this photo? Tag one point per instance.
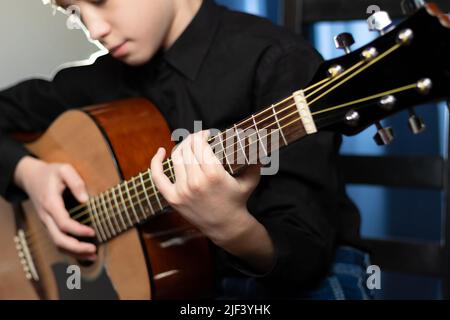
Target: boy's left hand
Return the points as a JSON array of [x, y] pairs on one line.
[[204, 193]]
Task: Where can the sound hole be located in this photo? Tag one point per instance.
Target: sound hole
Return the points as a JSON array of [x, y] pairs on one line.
[[70, 202]]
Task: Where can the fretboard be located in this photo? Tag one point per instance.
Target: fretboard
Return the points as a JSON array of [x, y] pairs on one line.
[[245, 143]]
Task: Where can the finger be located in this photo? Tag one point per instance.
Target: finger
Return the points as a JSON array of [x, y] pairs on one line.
[[192, 167], [86, 257], [250, 177], [162, 182], [80, 257], [209, 164], [73, 180], [204, 153], [178, 166], [63, 220], [66, 242]]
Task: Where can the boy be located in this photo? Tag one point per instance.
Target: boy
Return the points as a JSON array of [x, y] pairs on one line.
[[196, 61]]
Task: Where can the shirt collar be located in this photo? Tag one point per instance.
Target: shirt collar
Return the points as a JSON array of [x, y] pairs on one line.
[[190, 49]]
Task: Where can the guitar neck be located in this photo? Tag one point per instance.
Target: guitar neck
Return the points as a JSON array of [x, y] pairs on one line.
[[247, 142]]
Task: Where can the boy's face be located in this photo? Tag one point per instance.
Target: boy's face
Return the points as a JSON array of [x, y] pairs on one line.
[[132, 30]]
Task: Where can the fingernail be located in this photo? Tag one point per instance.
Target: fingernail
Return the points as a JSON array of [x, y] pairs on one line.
[[84, 197]]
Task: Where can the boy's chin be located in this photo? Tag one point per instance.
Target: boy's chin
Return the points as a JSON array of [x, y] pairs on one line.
[[133, 61]]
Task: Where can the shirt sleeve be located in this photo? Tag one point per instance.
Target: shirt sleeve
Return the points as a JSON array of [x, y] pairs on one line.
[[297, 205], [32, 105]]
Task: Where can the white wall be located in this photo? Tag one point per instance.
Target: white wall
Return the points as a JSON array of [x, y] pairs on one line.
[[34, 42]]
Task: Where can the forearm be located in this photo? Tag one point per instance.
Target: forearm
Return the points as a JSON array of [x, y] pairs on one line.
[[11, 153], [250, 242]]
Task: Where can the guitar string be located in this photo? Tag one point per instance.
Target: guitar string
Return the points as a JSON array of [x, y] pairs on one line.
[[266, 110], [376, 59], [315, 85], [371, 62], [328, 82], [400, 89], [137, 196]]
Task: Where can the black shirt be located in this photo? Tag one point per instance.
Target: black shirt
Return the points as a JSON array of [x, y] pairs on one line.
[[225, 66]]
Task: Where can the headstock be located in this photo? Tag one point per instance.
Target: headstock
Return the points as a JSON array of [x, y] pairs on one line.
[[408, 65]]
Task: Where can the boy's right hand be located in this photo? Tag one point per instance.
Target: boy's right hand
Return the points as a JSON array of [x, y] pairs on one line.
[[44, 183]]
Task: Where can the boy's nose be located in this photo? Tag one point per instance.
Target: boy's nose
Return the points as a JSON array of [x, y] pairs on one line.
[[98, 29]]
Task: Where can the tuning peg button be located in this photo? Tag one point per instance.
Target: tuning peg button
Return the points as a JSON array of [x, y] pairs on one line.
[[344, 41], [384, 136], [352, 117], [387, 102], [335, 70], [379, 21], [416, 124], [411, 6]]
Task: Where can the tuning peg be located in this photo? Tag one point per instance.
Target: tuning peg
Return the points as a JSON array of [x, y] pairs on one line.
[[387, 102], [352, 117], [411, 6], [379, 21], [344, 41], [416, 124], [384, 136]]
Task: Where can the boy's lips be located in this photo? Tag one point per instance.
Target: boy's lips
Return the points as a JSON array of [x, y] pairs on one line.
[[119, 50]]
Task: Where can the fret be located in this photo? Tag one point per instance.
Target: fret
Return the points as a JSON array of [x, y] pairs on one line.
[[240, 144], [172, 173], [124, 204], [225, 153], [259, 137], [102, 218], [118, 208], [93, 223], [146, 194], [91, 204], [155, 191], [127, 190], [279, 126], [136, 193], [111, 206], [107, 213]]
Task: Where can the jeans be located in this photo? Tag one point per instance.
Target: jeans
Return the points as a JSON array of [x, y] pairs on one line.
[[346, 280]]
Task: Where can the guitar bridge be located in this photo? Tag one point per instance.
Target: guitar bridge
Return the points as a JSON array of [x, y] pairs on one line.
[[25, 257]]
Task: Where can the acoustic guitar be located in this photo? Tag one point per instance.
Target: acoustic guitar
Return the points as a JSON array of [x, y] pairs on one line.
[[148, 251]]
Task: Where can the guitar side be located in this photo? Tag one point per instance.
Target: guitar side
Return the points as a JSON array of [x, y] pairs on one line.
[[107, 144]]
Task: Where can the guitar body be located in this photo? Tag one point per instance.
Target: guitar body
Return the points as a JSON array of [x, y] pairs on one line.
[[13, 283], [164, 258]]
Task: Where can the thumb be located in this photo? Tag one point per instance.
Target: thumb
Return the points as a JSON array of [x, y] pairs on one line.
[[250, 177]]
